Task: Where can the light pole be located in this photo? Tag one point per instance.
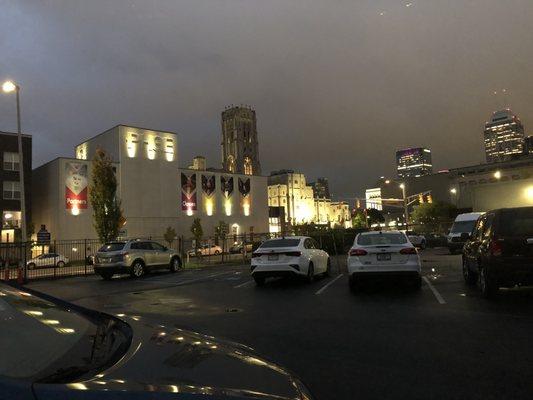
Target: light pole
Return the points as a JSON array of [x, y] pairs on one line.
[[9, 87], [402, 186]]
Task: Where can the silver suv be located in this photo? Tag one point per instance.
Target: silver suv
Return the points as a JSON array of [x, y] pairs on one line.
[[135, 257]]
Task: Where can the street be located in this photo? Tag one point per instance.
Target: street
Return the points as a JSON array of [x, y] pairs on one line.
[[389, 341]]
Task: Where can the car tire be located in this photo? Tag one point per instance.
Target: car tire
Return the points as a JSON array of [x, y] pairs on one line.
[[310, 273], [259, 280], [217, 252], [488, 286], [60, 264], [31, 266], [175, 264], [469, 276], [328, 268], [137, 269], [106, 276]]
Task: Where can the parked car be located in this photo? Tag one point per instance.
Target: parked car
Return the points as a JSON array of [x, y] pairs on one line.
[[205, 250], [135, 257], [241, 248], [416, 239], [499, 252], [461, 229], [383, 254], [289, 256], [47, 260], [71, 352]]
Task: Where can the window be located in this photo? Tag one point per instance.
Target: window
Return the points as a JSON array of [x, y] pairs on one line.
[[11, 161], [376, 239], [280, 243], [157, 246], [11, 219], [11, 190], [248, 166]]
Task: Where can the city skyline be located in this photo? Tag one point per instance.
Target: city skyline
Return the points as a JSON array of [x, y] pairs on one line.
[[347, 72]]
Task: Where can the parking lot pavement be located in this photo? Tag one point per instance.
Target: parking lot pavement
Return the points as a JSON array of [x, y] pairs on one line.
[[386, 342]]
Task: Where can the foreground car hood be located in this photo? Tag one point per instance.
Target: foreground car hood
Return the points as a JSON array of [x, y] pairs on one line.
[[182, 364]]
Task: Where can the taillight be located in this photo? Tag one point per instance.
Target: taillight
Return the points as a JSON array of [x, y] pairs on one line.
[[293, 253], [408, 250], [358, 252], [495, 248]]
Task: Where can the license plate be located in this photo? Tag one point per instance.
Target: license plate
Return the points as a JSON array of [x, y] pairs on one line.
[[273, 257], [384, 257]]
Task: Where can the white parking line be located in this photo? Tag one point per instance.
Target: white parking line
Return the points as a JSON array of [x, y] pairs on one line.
[[242, 284], [435, 291], [319, 291]]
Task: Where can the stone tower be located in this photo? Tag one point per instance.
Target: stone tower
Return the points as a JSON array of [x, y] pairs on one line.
[[240, 150]]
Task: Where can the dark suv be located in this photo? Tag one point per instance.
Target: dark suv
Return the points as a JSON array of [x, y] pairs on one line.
[[499, 252]]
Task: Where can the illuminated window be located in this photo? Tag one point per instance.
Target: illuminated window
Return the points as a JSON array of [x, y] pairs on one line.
[[11, 161], [247, 166], [231, 164]]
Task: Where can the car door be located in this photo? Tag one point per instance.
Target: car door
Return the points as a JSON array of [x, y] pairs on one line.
[[310, 249], [471, 248], [160, 254], [149, 254], [321, 255]]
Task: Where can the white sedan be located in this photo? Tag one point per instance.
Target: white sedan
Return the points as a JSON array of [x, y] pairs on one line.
[[47, 260], [375, 254], [289, 256]]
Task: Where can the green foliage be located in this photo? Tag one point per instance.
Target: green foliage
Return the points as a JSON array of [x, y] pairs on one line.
[[374, 216], [222, 229], [107, 213], [170, 235], [197, 230], [434, 215], [359, 220]]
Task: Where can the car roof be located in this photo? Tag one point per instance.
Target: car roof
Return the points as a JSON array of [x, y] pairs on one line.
[[290, 237], [378, 232], [468, 216]]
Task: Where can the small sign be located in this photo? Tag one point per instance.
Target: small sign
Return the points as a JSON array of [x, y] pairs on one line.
[[43, 236]]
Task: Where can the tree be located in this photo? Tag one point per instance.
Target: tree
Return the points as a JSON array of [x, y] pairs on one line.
[[170, 235], [433, 215], [221, 230], [359, 220], [197, 231], [107, 213], [374, 216]]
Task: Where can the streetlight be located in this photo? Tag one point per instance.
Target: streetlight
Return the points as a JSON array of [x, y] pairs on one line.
[[402, 186], [453, 191], [8, 87]]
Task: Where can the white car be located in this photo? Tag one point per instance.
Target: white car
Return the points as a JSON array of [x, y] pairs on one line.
[[375, 254], [289, 256], [206, 250], [417, 240], [47, 260]]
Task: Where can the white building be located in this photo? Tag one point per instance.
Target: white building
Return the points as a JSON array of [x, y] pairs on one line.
[[155, 192]]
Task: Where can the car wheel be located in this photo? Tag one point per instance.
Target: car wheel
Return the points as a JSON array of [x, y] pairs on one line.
[[137, 269], [217, 252], [106, 275], [488, 287], [31, 265], [310, 273], [328, 268], [259, 280], [60, 264], [175, 264], [469, 276]]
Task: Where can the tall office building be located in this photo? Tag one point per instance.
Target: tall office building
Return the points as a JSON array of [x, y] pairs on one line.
[[413, 162], [504, 136], [240, 149]]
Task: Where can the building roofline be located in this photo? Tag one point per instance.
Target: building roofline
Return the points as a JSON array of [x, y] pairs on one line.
[[66, 158], [126, 126], [26, 135]]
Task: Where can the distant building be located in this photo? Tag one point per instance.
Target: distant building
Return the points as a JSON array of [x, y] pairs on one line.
[[413, 162], [528, 145], [503, 136], [321, 188], [10, 181], [240, 148]]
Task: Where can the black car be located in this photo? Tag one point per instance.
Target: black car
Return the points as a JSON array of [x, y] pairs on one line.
[[56, 350], [499, 252]]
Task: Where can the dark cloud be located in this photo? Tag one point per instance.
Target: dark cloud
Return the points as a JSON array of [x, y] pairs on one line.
[[337, 86]]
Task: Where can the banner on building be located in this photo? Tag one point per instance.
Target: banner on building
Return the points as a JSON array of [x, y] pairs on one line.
[[188, 192], [208, 184], [226, 185], [244, 187], [76, 182]]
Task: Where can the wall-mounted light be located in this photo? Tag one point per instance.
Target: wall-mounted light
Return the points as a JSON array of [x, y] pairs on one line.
[[227, 207], [131, 145], [246, 207], [75, 210], [497, 174], [209, 206], [453, 191], [528, 192]]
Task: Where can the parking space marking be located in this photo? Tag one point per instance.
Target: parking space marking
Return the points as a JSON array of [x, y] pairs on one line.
[[321, 290], [435, 291], [242, 284]]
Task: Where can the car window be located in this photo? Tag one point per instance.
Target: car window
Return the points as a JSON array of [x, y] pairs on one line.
[[315, 244], [308, 244], [516, 222], [112, 246], [146, 246], [136, 246], [157, 246], [383, 238], [463, 226], [280, 243], [489, 219], [479, 228]]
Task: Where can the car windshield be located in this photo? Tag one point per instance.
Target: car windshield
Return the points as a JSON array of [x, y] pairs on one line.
[[517, 222], [42, 341], [463, 226], [280, 243], [376, 239], [113, 246]]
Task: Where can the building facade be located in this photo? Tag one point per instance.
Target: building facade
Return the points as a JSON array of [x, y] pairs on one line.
[[9, 175], [503, 137], [413, 162], [240, 146], [155, 192], [321, 188]]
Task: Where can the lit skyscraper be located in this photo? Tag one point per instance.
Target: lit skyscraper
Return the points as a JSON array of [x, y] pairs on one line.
[[413, 162], [504, 136]]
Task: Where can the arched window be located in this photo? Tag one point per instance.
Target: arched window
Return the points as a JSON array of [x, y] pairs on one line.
[[231, 164], [248, 166]]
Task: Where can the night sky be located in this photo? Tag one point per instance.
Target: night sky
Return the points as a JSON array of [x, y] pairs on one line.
[[338, 85]]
